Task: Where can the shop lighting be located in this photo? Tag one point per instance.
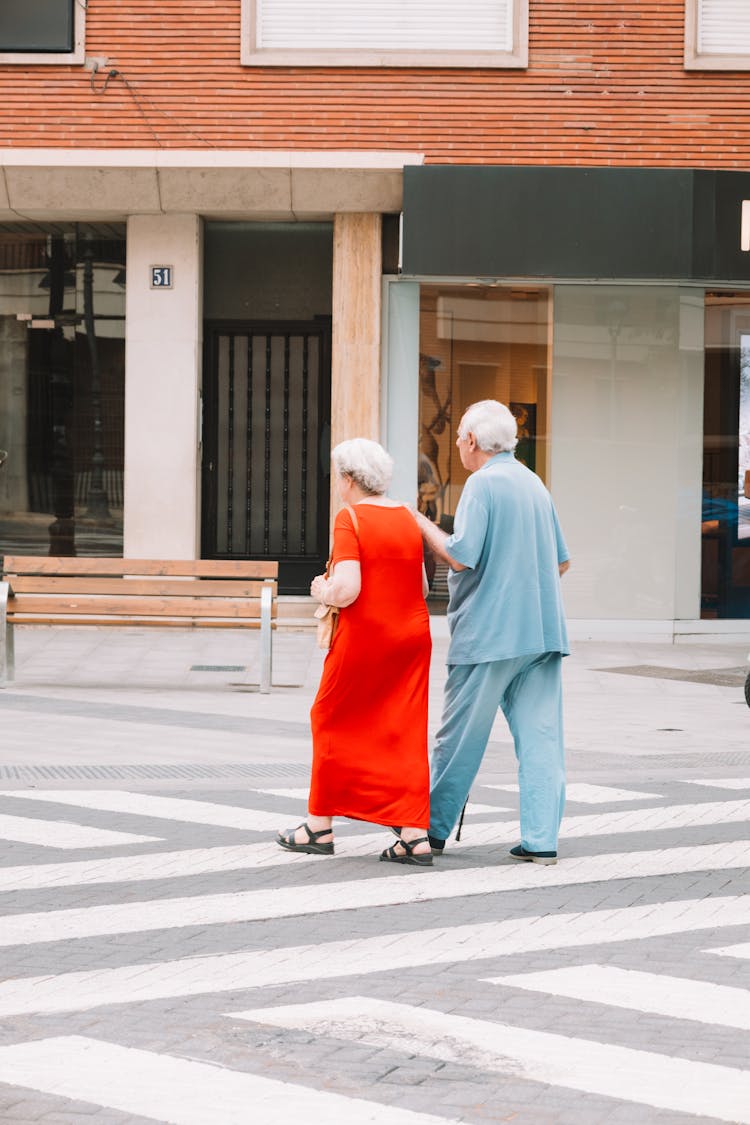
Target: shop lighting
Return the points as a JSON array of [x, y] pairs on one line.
[[745, 225]]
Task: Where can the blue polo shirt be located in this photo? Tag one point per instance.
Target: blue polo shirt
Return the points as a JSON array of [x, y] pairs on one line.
[[506, 532]]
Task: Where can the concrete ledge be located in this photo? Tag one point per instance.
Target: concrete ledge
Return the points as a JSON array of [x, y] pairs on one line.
[[78, 184]]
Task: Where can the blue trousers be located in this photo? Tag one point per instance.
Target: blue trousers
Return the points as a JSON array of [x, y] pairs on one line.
[[529, 691]]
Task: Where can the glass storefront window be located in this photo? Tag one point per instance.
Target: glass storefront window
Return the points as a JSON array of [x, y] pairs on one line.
[[62, 380], [725, 582], [476, 342]]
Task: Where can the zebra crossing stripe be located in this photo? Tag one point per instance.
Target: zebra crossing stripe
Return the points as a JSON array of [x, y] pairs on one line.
[[62, 834], [355, 894], [161, 808], [586, 794], [654, 819], [644, 1077], [181, 1091], [676, 997], [302, 794], [742, 951], [190, 976], [721, 782]]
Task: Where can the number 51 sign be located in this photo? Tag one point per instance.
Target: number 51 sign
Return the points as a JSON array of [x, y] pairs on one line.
[[161, 277]]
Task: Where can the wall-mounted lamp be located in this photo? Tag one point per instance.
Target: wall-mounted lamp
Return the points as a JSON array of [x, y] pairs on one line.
[[745, 225]]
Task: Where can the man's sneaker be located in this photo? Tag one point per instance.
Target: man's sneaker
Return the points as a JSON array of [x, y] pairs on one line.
[[438, 846], [519, 852]]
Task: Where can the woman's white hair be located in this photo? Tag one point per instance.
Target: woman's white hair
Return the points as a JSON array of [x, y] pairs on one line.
[[366, 462], [493, 426]]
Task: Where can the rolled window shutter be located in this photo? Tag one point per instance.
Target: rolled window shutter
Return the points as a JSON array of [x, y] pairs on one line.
[[723, 27], [387, 25]]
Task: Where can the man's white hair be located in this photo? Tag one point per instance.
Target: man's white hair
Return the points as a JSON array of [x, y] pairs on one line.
[[492, 424], [366, 462]]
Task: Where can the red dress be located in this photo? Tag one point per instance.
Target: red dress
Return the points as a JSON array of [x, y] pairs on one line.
[[369, 718]]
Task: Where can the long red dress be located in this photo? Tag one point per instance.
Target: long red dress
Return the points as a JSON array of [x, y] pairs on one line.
[[369, 718]]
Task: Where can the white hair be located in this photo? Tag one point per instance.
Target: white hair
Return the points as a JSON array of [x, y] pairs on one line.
[[492, 424], [366, 462]]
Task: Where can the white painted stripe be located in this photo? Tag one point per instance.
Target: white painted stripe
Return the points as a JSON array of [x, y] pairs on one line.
[[661, 818], [171, 865], [387, 953], [742, 950], [201, 861], [181, 1091], [293, 794], [644, 1077], [62, 834], [163, 808], [586, 794], [677, 997], [389, 890], [201, 812], [721, 782]]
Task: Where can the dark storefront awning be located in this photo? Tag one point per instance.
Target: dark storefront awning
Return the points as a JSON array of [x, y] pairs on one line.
[[645, 223]]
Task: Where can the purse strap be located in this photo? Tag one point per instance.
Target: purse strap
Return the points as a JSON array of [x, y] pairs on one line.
[[355, 522]]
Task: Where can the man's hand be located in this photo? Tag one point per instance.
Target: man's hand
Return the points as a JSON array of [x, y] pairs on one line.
[[562, 567]]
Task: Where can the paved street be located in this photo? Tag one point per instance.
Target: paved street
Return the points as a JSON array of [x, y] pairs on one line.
[[163, 960]]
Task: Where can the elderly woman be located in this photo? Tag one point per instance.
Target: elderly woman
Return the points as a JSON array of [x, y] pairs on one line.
[[369, 718]]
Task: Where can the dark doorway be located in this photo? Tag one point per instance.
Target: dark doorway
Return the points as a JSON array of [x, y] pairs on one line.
[[266, 438]]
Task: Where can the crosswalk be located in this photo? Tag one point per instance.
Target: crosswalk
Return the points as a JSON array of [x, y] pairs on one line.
[[201, 917]]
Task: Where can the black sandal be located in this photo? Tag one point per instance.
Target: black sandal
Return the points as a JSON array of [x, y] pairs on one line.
[[312, 847], [390, 855]]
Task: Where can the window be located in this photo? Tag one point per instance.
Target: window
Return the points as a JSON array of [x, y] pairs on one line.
[[385, 33], [62, 389], [42, 31], [717, 35]]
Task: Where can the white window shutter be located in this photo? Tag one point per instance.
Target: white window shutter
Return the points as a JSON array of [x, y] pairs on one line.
[[723, 27], [387, 25]]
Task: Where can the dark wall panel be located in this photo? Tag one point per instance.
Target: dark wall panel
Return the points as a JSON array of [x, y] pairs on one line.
[[574, 222]]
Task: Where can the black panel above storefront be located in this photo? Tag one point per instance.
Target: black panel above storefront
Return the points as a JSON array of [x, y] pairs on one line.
[[645, 223]]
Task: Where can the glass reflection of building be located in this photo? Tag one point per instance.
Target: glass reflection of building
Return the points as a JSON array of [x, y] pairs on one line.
[[62, 368]]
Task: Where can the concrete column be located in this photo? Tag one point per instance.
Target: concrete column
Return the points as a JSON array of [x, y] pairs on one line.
[[355, 359], [162, 388]]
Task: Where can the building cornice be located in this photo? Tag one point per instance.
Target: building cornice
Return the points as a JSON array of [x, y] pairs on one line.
[[110, 184]]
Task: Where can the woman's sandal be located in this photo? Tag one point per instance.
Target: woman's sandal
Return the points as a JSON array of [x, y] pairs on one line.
[[312, 846], [423, 859]]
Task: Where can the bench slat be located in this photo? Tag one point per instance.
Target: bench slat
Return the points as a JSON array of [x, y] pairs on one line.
[[192, 568], [142, 622], [203, 588], [119, 606]]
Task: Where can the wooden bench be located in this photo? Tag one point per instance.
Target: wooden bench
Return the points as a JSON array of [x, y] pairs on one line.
[[96, 591]]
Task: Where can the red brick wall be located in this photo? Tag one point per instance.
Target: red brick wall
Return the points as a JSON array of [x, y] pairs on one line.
[[605, 85]]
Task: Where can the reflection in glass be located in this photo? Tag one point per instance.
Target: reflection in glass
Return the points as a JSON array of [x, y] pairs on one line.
[[62, 372], [477, 341], [725, 584]]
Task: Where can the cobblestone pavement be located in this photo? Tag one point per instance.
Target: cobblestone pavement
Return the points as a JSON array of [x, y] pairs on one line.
[[163, 960]]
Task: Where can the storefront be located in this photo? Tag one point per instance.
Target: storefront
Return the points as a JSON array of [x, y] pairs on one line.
[[611, 310], [180, 343], [181, 339]]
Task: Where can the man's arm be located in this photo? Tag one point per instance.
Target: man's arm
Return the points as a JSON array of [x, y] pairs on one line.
[[435, 539], [563, 566]]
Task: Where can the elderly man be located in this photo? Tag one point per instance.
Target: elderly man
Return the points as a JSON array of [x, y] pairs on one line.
[[507, 633]]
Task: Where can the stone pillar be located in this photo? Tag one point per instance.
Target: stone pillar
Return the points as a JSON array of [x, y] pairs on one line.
[[355, 357], [162, 388]]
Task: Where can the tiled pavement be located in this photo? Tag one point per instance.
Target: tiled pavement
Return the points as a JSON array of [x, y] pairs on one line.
[[163, 960]]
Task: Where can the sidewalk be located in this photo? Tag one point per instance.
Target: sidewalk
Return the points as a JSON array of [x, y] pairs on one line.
[[163, 697]]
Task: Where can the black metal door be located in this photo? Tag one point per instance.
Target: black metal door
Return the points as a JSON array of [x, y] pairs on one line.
[[266, 446]]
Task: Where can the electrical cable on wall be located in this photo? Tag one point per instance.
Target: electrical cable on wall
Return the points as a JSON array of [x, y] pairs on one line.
[[112, 74]]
